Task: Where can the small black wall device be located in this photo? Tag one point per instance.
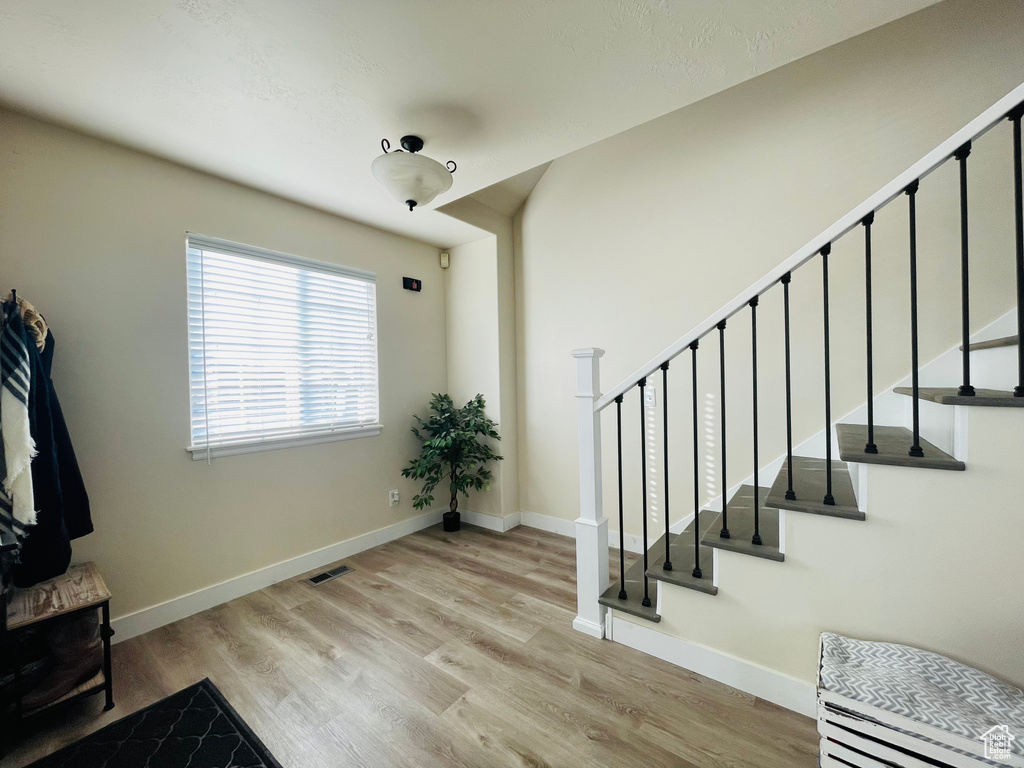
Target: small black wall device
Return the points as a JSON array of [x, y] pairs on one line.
[[412, 284]]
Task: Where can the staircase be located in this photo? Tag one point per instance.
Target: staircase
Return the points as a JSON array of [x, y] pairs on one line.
[[809, 484], [748, 517]]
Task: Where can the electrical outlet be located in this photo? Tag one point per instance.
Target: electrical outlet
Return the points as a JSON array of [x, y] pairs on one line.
[[393, 498], [650, 397]]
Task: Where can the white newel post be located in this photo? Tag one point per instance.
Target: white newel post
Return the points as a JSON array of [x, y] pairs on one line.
[[591, 525]]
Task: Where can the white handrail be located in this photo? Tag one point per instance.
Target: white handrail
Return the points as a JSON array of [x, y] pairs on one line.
[[974, 129]]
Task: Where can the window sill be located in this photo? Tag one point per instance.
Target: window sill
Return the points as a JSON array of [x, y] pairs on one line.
[[257, 446]]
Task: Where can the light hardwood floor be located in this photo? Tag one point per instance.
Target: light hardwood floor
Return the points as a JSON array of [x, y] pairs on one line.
[[442, 650]]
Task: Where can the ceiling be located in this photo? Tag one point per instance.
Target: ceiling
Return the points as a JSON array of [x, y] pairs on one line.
[[294, 97], [506, 197]]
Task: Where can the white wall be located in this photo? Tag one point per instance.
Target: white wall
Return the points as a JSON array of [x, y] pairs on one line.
[[628, 243], [94, 236]]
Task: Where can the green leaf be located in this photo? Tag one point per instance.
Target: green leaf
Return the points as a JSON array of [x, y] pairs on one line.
[[452, 448]]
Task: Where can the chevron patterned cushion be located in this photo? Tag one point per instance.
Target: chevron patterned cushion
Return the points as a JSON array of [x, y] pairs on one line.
[[921, 686]]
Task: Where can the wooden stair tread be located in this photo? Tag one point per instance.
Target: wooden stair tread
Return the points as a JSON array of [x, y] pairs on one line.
[[809, 485], [682, 559], [1004, 341], [741, 527], [893, 446], [991, 398], [635, 590]]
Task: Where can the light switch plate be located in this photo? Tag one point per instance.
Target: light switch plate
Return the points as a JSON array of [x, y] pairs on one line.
[[650, 397]]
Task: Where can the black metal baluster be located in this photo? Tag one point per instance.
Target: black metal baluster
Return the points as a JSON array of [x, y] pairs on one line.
[[1018, 189], [870, 446], [966, 390], [646, 602], [915, 449], [790, 493], [829, 498], [664, 411], [697, 573], [725, 487], [756, 538], [622, 527]]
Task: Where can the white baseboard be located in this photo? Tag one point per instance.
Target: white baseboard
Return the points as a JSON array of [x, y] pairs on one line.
[[558, 525], [768, 684], [630, 543], [565, 527], [588, 628], [139, 622], [155, 616], [490, 522]]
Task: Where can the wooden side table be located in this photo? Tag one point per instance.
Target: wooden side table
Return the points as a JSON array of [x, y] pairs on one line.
[[77, 591]]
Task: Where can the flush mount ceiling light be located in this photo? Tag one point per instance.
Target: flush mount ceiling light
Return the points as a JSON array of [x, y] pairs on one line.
[[410, 178]]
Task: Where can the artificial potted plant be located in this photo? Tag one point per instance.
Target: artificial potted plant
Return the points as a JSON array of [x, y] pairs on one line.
[[452, 451]]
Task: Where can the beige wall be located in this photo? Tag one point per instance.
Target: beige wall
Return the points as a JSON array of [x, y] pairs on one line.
[[472, 332], [480, 286], [628, 243], [937, 565], [472, 322], [94, 236]]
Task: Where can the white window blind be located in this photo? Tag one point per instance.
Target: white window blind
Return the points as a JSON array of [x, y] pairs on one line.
[[282, 350]]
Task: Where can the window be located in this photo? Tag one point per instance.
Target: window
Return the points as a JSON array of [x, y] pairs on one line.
[[282, 350]]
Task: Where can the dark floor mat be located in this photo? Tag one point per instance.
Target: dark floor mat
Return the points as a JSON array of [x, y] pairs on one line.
[[194, 728]]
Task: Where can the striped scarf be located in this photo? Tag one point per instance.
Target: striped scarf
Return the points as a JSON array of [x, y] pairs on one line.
[[17, 448]]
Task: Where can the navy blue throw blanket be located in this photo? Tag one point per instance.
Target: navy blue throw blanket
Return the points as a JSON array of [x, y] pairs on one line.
[[60, 497]]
